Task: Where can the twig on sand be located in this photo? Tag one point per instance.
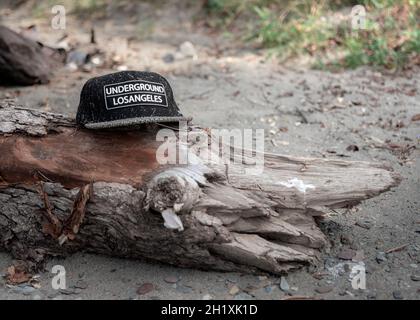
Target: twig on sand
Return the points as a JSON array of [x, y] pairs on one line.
[[395, 249]]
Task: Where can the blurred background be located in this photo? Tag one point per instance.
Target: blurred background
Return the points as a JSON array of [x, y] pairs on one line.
[[211, 38], [320, 31]]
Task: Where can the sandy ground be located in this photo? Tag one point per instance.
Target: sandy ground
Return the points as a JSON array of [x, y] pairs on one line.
[[355, 115]]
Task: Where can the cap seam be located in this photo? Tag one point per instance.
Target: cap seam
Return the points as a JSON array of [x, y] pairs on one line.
[[130, 121]]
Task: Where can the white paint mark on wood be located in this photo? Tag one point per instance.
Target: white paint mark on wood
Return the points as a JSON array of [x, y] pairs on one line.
[[296, 183]]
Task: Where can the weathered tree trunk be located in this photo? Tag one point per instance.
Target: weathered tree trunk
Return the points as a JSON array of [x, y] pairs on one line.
[[24, 61], [64, 189]]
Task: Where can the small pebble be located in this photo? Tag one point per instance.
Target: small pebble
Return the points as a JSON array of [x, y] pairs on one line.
[[232, 280], [53, 295], [268, 289], [346, 254], [171, 279], [345, 239], [359, 256], [371, 296], [234, 290], [81, 284], [67, 292], [168, 58], [342, 292], [381, 257], [415, 277], [24, 289], [243, 296], [324, 289], [183, 289]]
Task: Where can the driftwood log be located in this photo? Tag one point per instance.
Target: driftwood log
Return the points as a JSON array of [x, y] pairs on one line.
[[24, 61], [65, 189]]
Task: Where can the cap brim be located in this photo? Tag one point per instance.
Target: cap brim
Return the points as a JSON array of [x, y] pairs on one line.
[[132, 122]]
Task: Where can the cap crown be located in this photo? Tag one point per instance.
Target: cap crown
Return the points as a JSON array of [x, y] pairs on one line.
[[126, 98]]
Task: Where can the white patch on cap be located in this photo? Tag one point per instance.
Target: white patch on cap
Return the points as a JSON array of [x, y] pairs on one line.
[[296, 183]]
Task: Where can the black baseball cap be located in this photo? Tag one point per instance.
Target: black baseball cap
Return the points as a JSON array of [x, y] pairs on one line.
[[126, 98]]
